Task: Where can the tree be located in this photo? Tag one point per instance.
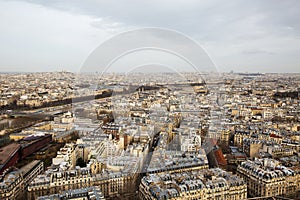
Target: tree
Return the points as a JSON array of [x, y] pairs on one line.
[[80, 162]]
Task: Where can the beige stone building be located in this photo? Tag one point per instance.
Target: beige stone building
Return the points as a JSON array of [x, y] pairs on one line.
[[13, 184], [266, 177], [207, 184], [111, 184]]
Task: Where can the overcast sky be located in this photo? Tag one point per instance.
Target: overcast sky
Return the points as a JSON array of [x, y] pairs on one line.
[[239, 35]]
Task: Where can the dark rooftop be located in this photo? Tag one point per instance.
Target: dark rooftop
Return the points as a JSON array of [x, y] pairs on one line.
[[7, 151]]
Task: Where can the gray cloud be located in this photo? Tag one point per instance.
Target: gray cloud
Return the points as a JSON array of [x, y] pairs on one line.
[[258, 51], [232, 32]]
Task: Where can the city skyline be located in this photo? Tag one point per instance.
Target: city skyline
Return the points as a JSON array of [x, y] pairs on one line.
[[149, 100]]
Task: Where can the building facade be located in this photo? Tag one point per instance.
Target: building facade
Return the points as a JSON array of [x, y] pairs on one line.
[[205, 184], [267, 178], [14, 182]]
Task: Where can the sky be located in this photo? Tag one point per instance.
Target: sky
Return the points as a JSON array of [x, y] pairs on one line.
[[237, 35]]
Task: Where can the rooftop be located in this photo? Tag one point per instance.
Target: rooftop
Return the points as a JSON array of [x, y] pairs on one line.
[[7, 151]]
